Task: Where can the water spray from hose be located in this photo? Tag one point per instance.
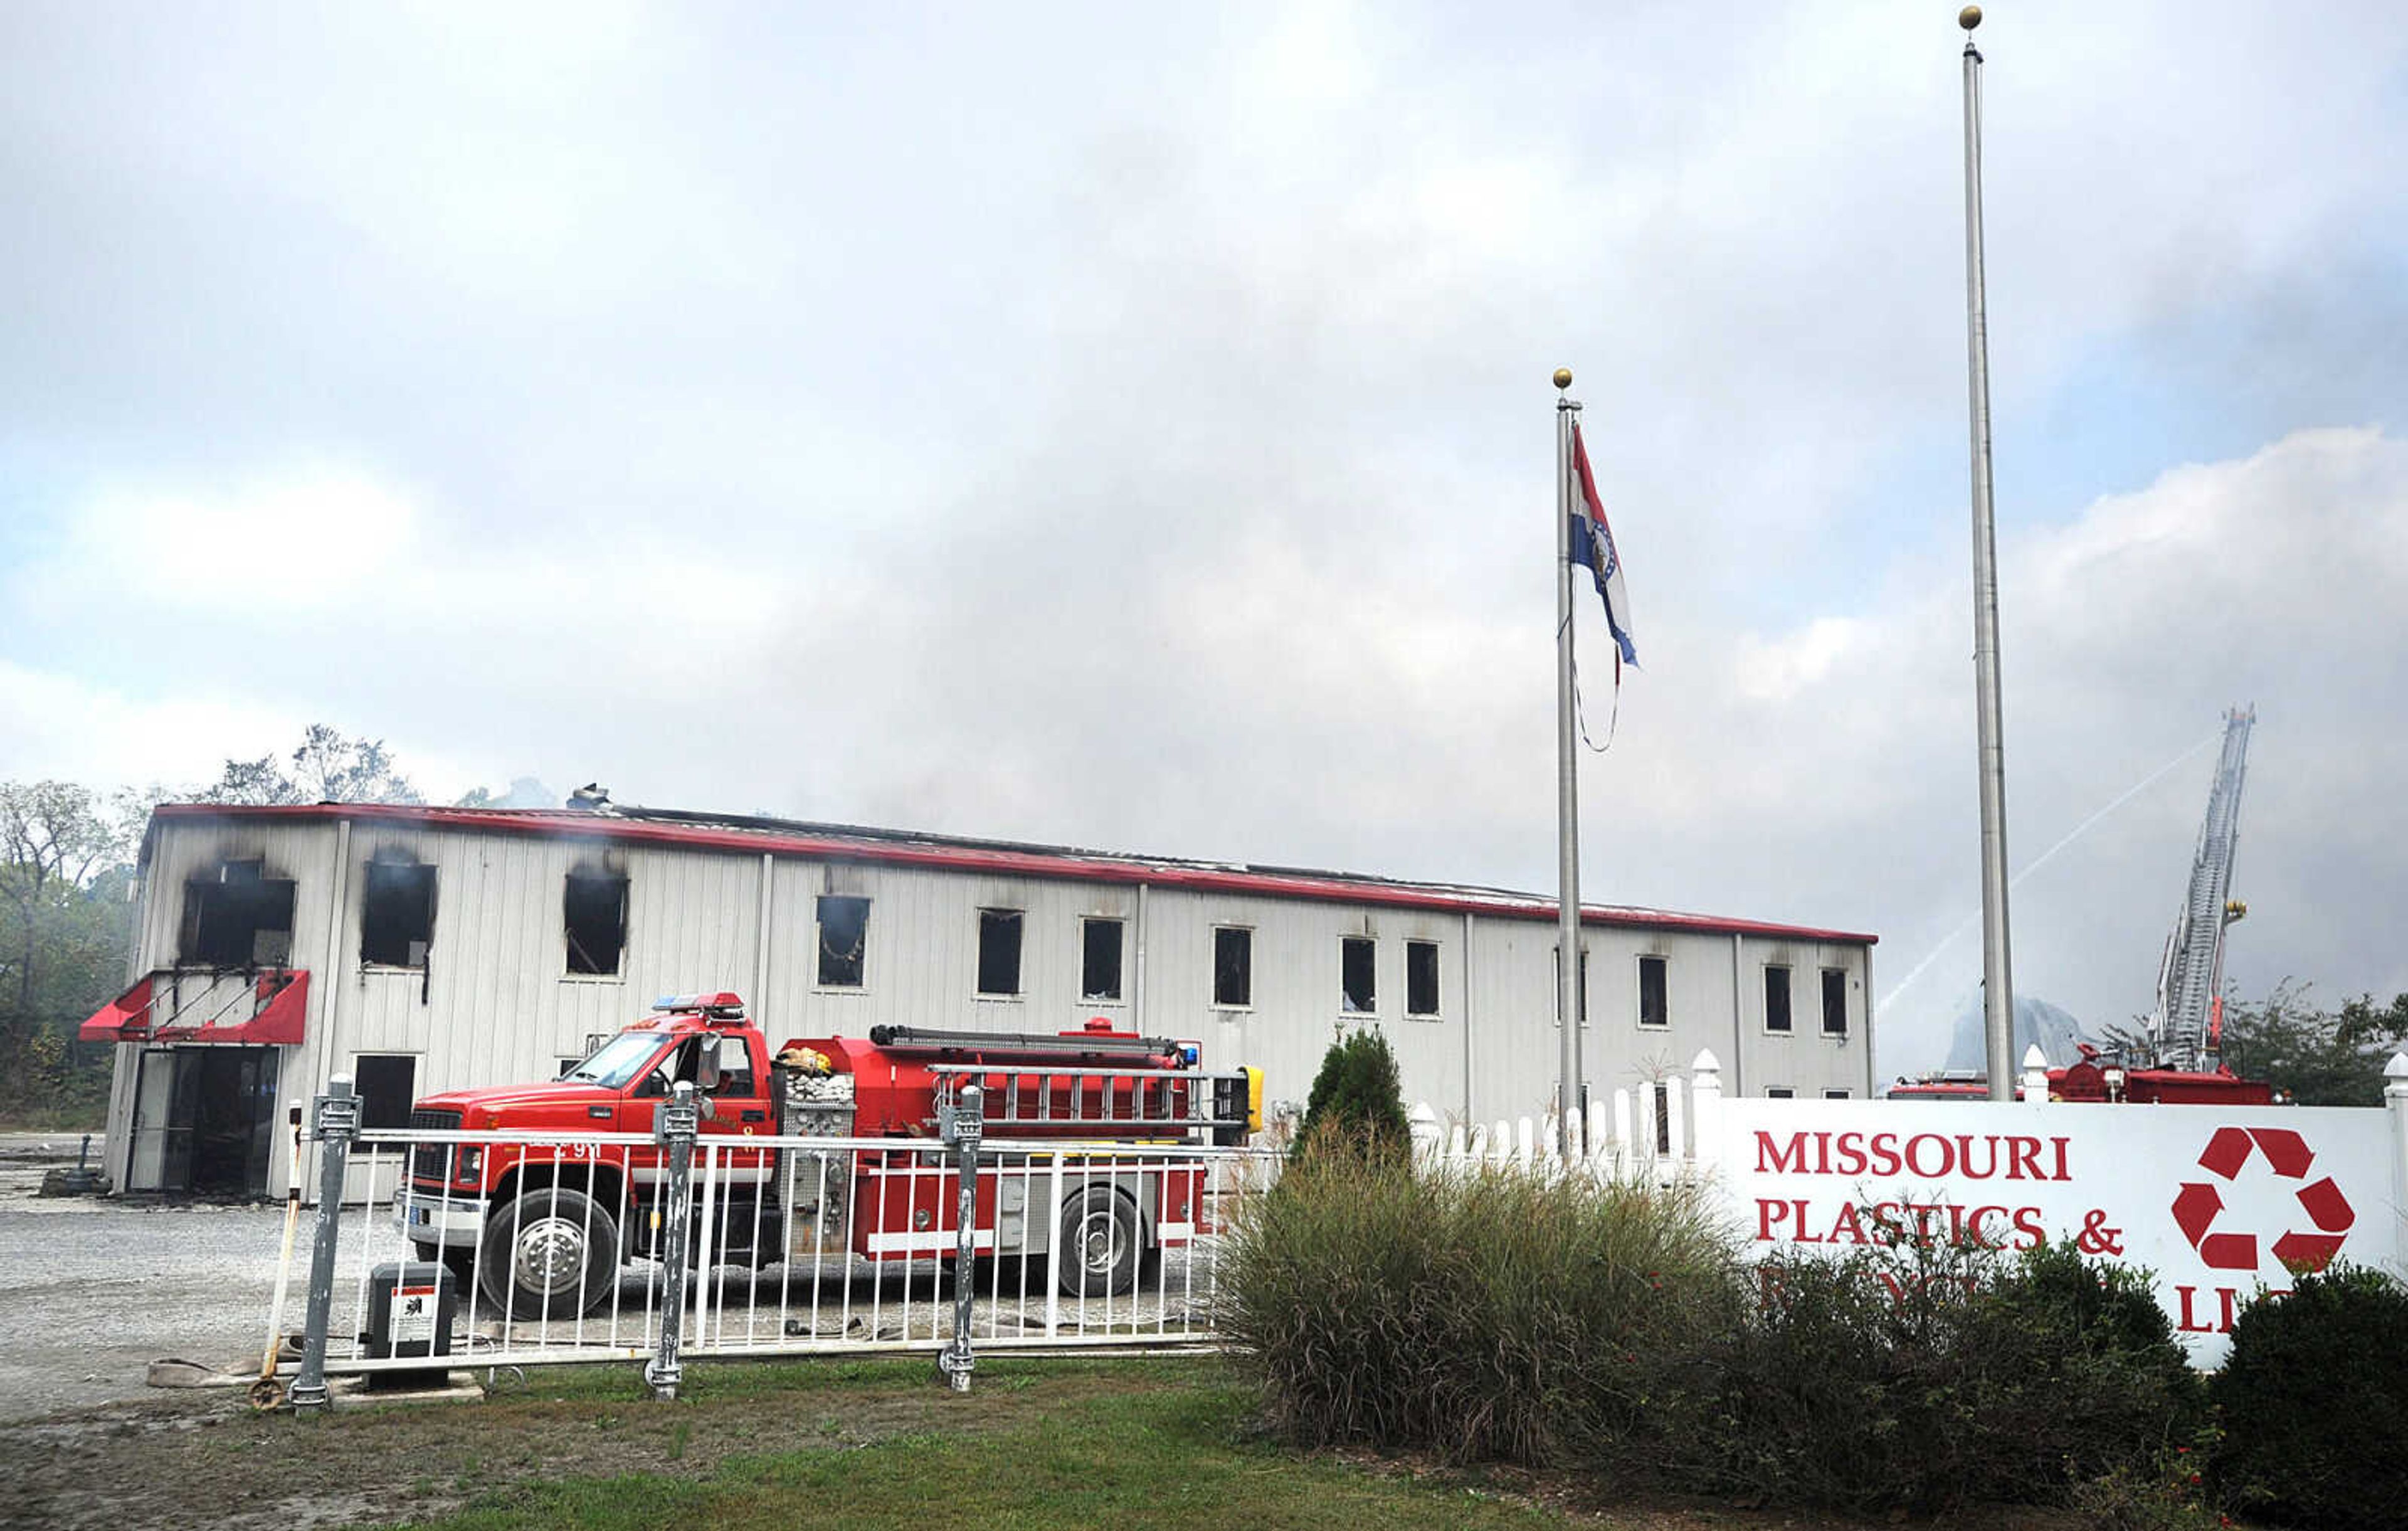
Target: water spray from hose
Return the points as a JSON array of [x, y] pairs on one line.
[[2046, 856]]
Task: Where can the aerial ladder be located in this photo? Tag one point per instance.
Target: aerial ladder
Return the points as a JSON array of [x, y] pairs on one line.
[[2186, 1028]]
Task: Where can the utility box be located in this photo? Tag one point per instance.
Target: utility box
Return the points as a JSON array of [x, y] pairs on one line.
[[410, 1310]]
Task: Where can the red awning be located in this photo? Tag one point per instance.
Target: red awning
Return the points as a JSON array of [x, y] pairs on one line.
[[264, 1008]]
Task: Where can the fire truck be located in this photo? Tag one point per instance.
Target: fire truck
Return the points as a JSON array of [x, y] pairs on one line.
[[541, 1223], [2104, 1077]]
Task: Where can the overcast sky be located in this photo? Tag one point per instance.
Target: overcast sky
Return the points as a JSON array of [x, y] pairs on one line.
[[1130, 427]]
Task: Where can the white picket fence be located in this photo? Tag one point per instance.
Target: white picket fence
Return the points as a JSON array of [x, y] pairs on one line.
[[1653, 1132]]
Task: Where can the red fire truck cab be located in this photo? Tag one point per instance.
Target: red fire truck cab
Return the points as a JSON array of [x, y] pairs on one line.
[[544, 1223]]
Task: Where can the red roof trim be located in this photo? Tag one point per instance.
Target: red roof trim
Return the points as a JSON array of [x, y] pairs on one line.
[[1023, 861]]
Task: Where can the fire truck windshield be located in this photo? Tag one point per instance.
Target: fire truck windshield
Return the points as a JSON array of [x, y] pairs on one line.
[[618, 1060]]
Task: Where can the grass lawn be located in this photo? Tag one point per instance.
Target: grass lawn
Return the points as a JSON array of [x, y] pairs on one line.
[[1169, 1448], [1131, 1442]]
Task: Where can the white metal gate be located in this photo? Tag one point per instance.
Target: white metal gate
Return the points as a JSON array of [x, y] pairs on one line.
[[789, 1246]]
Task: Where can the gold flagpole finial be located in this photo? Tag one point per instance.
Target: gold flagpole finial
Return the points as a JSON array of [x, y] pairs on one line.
[[1970, 18], [1563, 377]]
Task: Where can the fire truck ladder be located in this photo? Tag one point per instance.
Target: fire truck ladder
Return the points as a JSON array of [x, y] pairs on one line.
[[1063, 1082], [1133, 1102], [2190, 978]]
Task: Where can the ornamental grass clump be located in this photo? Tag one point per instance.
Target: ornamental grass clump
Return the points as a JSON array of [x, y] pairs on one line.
[[1488, 1314]]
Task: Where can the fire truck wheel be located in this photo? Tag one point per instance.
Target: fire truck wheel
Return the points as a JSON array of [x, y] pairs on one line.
[[551, 1251], [1101, 1244]]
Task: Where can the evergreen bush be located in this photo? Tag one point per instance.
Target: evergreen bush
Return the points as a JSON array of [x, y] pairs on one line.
[[1924, 1376], [2314, 1403], [1358, 1096]]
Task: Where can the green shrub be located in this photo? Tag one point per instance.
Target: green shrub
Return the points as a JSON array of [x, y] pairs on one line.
[[1520, 1316], [1475, 1315], [1358, 1095], [2315, 1401], [1923, 1376]]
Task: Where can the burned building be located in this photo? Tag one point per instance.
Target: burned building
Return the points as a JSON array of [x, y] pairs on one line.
[[422, 948]]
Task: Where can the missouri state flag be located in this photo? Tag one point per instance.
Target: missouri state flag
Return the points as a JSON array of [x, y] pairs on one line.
[[1592, 545]]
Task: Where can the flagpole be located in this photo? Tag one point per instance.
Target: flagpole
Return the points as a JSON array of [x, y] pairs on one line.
[[1998, 984], [1566, 789]]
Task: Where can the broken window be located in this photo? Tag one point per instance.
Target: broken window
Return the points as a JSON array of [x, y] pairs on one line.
[[1100, 960], [387, 1084], [1421, 978], [998, 956], [1653, 1009], [397, 912], [1233, 967], [1776, 998], [594, 911], [1357, 974], [1835, 1002], [237, 916], [844, 936], [1560, 986]]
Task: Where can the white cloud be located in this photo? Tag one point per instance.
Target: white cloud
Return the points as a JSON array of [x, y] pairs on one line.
[[1111, 426], [61, 727]]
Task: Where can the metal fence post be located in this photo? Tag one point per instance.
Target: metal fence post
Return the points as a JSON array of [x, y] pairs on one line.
[[1053, 1251], [673, 1127], [337, 1116], [964, 1125]]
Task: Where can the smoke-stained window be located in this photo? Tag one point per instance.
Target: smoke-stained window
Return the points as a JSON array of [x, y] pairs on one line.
[[1357, 975], [1835, 1002], [594, 913], [1655, 1008], [1581, 986], [1776, 998], [1100, 943], [1233, 968], [237, 916], [397, 911], [1420, 980], [998, 953], [844, 939]]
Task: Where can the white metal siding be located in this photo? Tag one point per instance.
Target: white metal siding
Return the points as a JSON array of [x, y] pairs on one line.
[[496, 1003]]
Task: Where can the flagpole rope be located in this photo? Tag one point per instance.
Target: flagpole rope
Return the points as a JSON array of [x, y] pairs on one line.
[[1580, 712]]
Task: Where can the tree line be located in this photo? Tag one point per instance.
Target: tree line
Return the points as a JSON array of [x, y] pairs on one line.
[[68, 857]]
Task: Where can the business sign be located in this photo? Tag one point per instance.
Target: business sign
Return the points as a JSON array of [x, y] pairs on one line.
[[2219, 1203]]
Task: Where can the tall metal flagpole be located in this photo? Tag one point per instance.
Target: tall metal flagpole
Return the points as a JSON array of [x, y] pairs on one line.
[[1567, 1116], [1997, 984]]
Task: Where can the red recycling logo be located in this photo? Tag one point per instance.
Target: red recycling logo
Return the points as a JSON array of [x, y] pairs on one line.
[[2199, 1203]]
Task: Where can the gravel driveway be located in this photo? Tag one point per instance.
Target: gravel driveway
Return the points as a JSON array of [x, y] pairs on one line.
[[91, 1291]]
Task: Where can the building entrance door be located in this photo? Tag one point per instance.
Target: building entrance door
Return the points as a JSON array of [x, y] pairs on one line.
[[204, 1120]]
